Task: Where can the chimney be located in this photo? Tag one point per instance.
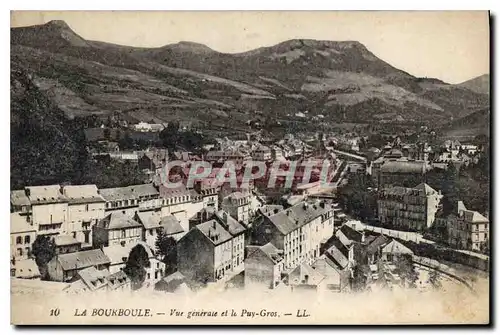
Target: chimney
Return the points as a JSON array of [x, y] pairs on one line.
[[322, 204], [213, 225], [306, 278], [224, 216]]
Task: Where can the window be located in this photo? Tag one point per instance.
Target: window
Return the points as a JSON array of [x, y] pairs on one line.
[[20, 251], [151, 232], [74, 234], [19, 240], [86, 208], [149, 275], [123, 233], [26, 239], [12, 272], [156, 274]]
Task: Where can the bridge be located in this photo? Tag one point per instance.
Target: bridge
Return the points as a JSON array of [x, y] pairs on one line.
[[351, 155]]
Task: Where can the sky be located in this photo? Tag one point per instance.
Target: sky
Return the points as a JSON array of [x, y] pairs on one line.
[[452, 46]]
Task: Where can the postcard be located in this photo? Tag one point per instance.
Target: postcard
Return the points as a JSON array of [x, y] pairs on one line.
[[250, 168]]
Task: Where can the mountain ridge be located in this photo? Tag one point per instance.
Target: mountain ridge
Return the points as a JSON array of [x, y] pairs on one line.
[[341, 79]]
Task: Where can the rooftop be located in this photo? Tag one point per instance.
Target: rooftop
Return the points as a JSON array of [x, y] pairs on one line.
[[129, 192], [82, 194], [296, 216], [61, 240], [117, 220], [19, 198], [19, 224], [214, 232], [400, 166], [45, 194], [82, 259]]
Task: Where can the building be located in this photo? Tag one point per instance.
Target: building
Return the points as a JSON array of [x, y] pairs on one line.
[[20, 203], [226, 155], [22, 236], [394, 251], [85, 209], [299, 231], [116, 229], [237, 205], [154, 224], [205, 253], [66, 244], [304, 277], [118, 256], [181, 203], [262, 153], [24, 269], [153, 160], [93, 280], [208, 189], [66, 266], [127, 199], [468, 229], [263, 266], [398, 172], [173, 283], [49, 209], [408, 208]]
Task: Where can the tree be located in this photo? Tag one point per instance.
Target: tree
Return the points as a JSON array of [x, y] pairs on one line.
[[135, 268], [358, 278], [435, 279], [166, 246], [107, 133], [44, 249], [407, 270]]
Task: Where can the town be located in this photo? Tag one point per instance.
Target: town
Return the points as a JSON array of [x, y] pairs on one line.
[[342, 211]]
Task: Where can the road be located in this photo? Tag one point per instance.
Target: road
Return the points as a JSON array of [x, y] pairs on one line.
[[404, 235], [360, 158]]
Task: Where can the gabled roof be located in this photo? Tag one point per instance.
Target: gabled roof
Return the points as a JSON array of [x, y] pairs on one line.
[[295, 217], [19, 198], [426, 188], [149, 219], [19, 224], [338, 253], [82, 194], [61, 240], [268, 250], [82, 259], [26, 268], [171, 225], [45, 194], [117, 279], [118, 254], [129, 192], [117, 220], [325, 266], [300, 272], [213, 231], [93, 278], [475, 217], [379, 241], [350, 234], [395, 247], [171, 282], [229, 223]]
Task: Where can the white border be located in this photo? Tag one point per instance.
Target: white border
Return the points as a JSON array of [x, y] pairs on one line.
[[202, 5]]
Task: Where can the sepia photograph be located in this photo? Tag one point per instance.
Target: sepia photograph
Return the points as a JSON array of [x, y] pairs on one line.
[[250, 168]]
